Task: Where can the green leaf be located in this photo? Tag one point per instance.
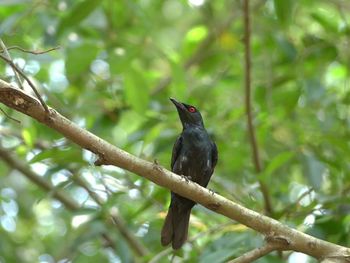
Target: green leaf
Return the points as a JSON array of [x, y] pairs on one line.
[[277, 162], [283, 10], [28, 137], [136, 91], [325, 22], [225, 247], [59, 156], [77, 14], [287, 47], [8, 23], [346, 98], [178, 85], [196, 34], [123, 251], [79, 59], [314, 171], [218, 256], [314, 90]]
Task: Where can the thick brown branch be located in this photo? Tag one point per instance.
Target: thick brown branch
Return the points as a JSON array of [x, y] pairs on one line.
[[248, 106], [30, 83], [297, 241]]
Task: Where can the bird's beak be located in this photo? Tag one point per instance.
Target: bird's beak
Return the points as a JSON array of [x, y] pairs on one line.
[[178, 105], [184, 115]]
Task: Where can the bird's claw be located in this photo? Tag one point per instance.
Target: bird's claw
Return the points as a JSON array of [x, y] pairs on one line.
[[211, 191], [186, 178], [156, 165]]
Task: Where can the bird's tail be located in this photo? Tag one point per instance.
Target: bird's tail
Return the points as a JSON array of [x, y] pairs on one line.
[[175, 228]]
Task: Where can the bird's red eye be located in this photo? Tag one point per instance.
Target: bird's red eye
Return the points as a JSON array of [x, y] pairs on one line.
[[192, 109]]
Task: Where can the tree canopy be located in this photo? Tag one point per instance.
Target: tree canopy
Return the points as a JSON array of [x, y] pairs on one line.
[[111, 66]]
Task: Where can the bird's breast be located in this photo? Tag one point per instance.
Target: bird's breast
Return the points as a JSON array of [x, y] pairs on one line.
[[195, 162]]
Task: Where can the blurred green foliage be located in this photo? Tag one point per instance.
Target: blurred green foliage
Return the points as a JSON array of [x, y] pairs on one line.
[[110, 77]]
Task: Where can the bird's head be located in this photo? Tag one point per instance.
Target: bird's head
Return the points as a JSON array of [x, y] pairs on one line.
[[189, 115]]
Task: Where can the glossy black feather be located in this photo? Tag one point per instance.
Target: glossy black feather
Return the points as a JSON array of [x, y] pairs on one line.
[[194, 155], [176, 151]]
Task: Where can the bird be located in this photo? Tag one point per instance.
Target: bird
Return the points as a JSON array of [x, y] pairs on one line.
[[194, 156]]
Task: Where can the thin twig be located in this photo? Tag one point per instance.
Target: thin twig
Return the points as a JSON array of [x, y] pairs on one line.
[[35, 52], [8, 116], [70, 203], [248, 105], [301, 197], [117, 220], [7, 55], [20, 72], [256, 253], [161, 255], [60, 195], [38, 180]]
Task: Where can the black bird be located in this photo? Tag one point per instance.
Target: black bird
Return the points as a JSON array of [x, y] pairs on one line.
[[194, 156]]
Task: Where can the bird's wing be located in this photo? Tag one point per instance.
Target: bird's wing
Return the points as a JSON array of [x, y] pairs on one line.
[[176, 150], [210, 169], [214, 155]]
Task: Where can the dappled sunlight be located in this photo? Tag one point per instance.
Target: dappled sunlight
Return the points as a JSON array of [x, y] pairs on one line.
[[270, 79]]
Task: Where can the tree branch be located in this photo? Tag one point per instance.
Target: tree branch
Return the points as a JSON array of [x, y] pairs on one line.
[[7, 55], [109, 154], [30, 83], [160, 256], [15, 163], [71, 204], [117, 220], [34, 52], [289, 208], [248, 106], [8, 116], [256, 253]]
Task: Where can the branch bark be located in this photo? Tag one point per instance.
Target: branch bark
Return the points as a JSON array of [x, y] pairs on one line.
[[30, 83], [111, 155], [256, 253]]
